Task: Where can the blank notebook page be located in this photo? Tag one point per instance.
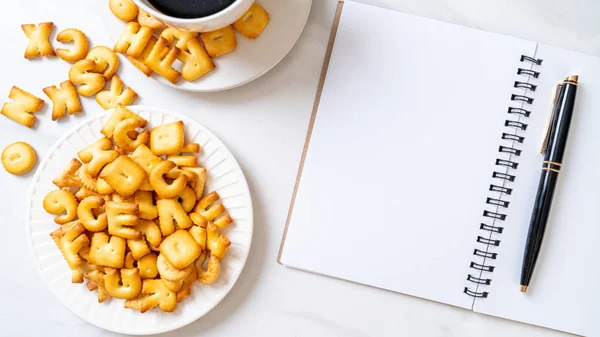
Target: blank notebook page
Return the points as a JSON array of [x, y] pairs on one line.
[[402, 152], [563, 293]]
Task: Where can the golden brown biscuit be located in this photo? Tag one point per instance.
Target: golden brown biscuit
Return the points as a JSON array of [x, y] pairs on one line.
[[122, 217], [129, 262], [174, 286], [196, 62], [124, 175], [139, 61], [119, 114], [145, 201], [212, 272], [182, 161], [144, 157], [190, 148], [18, 158], [157, 295], [63, 100], [39, 44], [82, 73], [199, 234], [171, 34], [160, 60], [127, 285], [107, 253], [147, 266], [208, 210], [133, 39], [107, 61], [180, 249], [71, 242], [138, 248], [125, 10], [109, 99], [92, 222], [83, 193], [122, 131], [147, 20], [200, 180], [80, 45], [162, 187], [167, 138], [216, 243], [68, 177], [96, 281], [186, 289], [170, 212], [21, 107], [102, 187], [219, 42], [170, 273], [252, 23], [61, 201], [187, 199], [151, 232], [97, 155]]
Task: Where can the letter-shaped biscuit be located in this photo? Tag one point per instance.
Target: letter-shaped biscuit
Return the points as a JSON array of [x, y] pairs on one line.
[[119, 114], [196, 62], [39, 44], [252, 23], [158, 295], [208, 210], [63, 100], [199, 234], [139, 61], [97, 155], [182, 161], [122, 130], [145, 201], [212, 272], [126, 286], [182, 36], [190, 148], [162, 188], [121, 219], [138, 248], [180, 249], [107, 61], [73, 241], [200, 180], [133, 39], [167, 138], [170, 212], [216, 243], [59, 201], [160, 60], [80, 47], [186, 289], [219, 42], [82, 73], [86, 215], [151, 232], [96, 281], [21, 107], [109, 99], [18, 158], [125, 10], [107, 253], [147, 266], [124, 175], [170, 273], [147, 20], [68, 177], [187, 199]]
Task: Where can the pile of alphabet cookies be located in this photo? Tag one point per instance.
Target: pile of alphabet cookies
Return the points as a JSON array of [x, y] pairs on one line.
[[145, 41], [134, 219]]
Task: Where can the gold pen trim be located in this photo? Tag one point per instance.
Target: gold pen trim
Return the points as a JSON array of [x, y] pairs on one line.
[[550, 169], [552, 108], [552, 163]]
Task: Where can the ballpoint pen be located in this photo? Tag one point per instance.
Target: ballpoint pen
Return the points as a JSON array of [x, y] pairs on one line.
[[553, 149]]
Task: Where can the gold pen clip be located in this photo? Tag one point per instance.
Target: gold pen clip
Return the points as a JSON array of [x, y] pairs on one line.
[[552, 111]]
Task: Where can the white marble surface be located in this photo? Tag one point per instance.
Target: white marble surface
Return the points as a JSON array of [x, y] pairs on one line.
[[264, 124]]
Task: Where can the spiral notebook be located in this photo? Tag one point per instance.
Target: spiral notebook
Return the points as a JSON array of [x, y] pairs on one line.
[[422, 161]]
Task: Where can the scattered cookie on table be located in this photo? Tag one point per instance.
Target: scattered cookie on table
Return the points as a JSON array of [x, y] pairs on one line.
[[18, 158], [39, 36], [80, 45], [109, 99], [22, 106], [107, 61], [125, 10], [63, 100], [81, 73]]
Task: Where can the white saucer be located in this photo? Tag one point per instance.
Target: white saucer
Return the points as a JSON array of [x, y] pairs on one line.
[[252, 58]]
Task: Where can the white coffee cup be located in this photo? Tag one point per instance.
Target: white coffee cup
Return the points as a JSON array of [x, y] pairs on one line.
[[205, 24]]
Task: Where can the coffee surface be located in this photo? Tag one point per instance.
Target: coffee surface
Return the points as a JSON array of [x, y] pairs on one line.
[[189, 9]]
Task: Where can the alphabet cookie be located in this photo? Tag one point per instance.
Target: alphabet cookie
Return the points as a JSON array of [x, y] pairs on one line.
[[109, 99], [107, 61], [39, 44], [125, 10], [22, 106], [63, 100], [80, 45], [82, 73], [253, 22], [18, 158], [61, 201]]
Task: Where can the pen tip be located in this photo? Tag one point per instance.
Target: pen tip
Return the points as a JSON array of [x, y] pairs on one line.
[[523, 289]]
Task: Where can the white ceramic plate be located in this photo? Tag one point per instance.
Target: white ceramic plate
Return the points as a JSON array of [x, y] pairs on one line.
[[252, 58], [224, 176]]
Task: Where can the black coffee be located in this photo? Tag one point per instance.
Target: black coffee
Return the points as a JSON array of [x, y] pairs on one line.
[[189, 9]]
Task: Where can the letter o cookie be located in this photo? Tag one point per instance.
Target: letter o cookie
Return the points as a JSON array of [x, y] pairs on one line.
[[18, 158]]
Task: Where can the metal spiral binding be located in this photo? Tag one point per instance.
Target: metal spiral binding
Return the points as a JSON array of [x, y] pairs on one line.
[[502, 177]]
